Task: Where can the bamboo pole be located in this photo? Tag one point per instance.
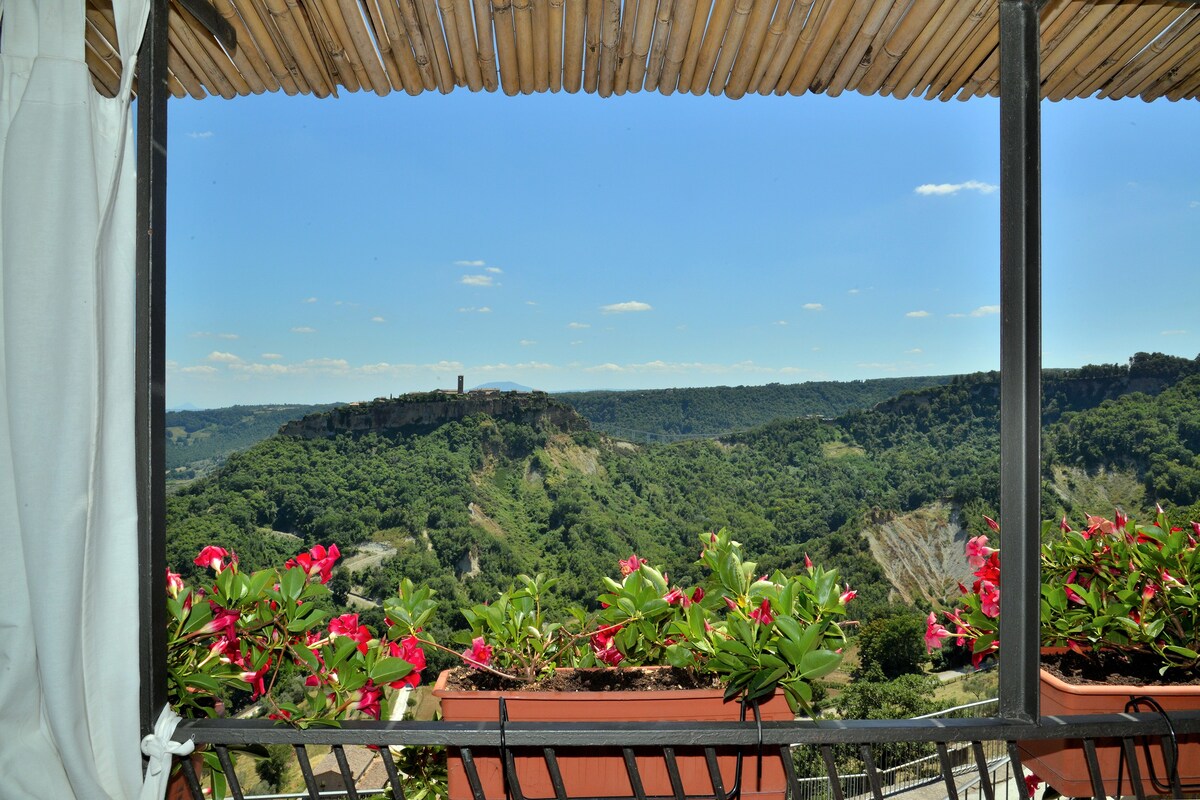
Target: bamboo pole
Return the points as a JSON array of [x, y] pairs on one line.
[[890, 22], [1137, 61], [640, 47], [826, 34], [787, 44], [573, 45], [1105, 40], [748, 54], [506, 46], [1160, 53], [939, 44], [919, 14], [610, 27], [449, 15], [959, 45], [466, 44], [485, 43], [853, 58], [173, 85], [1133, 45], [699, 22], [271, 45], [541, 45], [101, 33], [97, 54], [523, 22], [838, 52], [342, 67], [179, 67], [1186, 90], [976, 51], [394, 43], [433, 32], [1171, 79], [218, 56], [591, 63], [807, 35], [247, 49], [346, 13], [1060, 20], [730, 47], [707, 59], [556, 45], [658, 46], [1073, 43], [681, 35], [625, 46], [308, 53], [403, 15], [214, 80], [295, 46]]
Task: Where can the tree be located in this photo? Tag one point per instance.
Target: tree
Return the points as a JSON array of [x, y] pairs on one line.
[[890, 647]]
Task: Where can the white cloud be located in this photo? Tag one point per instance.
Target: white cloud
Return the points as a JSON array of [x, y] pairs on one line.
[[211, 335], [577, 326], [228, 336], [1174, 333], [956, 315], [813, 307], [780, 322], [200, 370], [876, 365], [531, 302], [527, 342], [479, 263], [917, 314], [495, 270], [932, 189], [684, 367], [1194, 204], [303, 329], [378, 319], [626, 307], [271, 356], [200, 135], [854, 291], [916, 351], [474, 310], [577, 341], [476, 280], [985, 311], [223, 358], [310, 300], [524, 365]]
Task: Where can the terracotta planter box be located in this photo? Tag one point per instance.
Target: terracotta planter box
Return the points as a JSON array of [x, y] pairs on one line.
[[601, 772], [1063, 765]]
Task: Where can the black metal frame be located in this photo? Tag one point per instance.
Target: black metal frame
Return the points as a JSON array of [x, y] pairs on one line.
[[1020, 488]]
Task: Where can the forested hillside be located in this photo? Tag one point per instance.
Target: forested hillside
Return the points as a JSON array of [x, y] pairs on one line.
[[198, 440], [668, 414], [471, 503]]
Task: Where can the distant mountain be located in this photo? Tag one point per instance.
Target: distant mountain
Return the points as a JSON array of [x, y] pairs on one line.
[[504, 386], [185, 407]]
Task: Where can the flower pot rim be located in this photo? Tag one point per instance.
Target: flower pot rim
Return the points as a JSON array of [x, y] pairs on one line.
[[1155, 689], [440, 690]]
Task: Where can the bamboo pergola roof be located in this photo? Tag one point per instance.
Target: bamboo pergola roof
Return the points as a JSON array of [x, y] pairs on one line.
[[899, 48]]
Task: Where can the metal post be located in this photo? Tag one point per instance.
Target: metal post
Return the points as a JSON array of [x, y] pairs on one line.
[[1020, 356], [150, 379]]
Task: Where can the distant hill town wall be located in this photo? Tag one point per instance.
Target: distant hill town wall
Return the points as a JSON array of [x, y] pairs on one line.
[[418, 412]]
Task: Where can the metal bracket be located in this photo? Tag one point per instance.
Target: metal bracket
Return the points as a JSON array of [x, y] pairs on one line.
[[206, 14]]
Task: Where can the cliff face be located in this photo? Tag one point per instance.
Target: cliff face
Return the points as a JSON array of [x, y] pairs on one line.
[[414, 413]]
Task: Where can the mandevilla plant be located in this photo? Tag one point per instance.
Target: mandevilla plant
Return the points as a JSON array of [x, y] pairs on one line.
[[1112, 585], [251, 632], [755, 632]]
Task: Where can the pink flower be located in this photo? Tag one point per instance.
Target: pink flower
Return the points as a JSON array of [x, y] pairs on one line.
[[317, 560], [224, 619], [1149, 592], [807, 562], [347, 625], [631, 564], [989, 599], [733, 606], [255, 679], [762, 614], [677, 597], [697, 595], [847, 595], [212, 557], [367, 699], [1063, 525], [935, 633], [480, 654], [991, 523], [978, 551], [174, 584], [1032, 782], [605, 648], [410, 650]]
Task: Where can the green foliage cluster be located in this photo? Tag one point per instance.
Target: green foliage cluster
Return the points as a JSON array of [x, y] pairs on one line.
[[209, 435]]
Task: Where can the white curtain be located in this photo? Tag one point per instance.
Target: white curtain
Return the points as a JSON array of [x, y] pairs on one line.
[[69, 722]]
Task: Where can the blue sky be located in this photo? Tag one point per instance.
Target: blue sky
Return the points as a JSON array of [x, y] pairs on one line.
[[338, 250]]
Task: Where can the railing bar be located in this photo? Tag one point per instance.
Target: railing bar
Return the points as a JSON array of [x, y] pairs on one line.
[[947, 771], [230, 774], [1129, 749], [714, 774], [1169, 761], [1089, 754], [510, 769], [835, 783], [868, 758], [560, 791], [981, 763], [339, 753], [389, 765], [789, 771], [468, 761], [193, 780], [310, 780], [635, 777], [673, 772], [1014, 758]]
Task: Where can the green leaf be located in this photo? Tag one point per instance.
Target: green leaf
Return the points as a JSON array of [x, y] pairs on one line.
[[291, 584], [819, 663], [387, 670]]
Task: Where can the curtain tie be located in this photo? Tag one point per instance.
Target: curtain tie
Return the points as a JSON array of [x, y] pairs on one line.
[[159, 747]]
